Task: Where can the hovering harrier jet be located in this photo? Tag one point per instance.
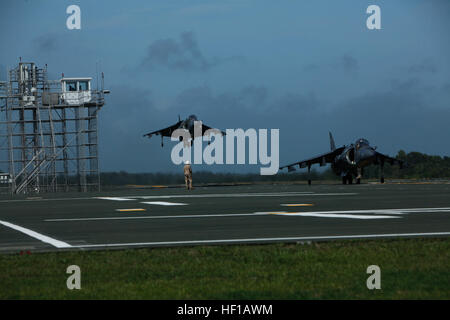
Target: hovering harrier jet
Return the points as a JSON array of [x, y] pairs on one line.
[[348, 161], [187, 124]]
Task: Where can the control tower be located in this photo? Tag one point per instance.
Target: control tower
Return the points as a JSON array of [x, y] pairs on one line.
[[48, 132]]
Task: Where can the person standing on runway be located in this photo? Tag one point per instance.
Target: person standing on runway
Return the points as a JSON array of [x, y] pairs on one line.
[[188, 175]]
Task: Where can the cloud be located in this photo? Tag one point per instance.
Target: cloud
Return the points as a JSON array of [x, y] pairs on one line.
[[349, 63], [404, 116], [207, 9], [248, 107], [424, 66], [46, 43], [183, 54], [295, 102], [311, 67], [248, 102], [392, 119], [128, 114], [346, 63], [254, 96]]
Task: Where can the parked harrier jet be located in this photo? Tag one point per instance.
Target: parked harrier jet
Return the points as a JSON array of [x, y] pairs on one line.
[[348, 161], [187, 124]]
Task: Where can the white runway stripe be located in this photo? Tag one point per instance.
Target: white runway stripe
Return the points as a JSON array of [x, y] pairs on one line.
[[363, 236], [218, 195], [239, 195], [331, 215], [162, 217], [382, 211], [351, 214], [41, 237], [114, 198], [163, 203]]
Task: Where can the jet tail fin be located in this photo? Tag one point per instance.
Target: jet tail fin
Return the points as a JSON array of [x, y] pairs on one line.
[[332, 144]]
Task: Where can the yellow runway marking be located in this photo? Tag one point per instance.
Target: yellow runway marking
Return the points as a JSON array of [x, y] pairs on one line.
[[297, 204], [130, 210]]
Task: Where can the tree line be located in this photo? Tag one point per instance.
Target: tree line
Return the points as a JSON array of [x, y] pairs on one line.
[[417, 166]]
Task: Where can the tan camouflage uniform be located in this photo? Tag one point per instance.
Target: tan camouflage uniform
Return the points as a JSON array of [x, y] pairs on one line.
[[188, 176]]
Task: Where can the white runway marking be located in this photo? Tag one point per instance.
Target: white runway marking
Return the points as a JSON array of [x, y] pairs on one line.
[[114, 198], [382, 211], [41, 237], [363, 236], [351, 214], [218, 195], [163, 203], [162, 217], [238, 195], [331, 215], [49, 199]]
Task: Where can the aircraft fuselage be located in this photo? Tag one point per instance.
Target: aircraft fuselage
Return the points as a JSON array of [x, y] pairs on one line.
[[353, 158]]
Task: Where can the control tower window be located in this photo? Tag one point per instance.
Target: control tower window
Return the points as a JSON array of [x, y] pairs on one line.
[[71, 86], [83, 86]]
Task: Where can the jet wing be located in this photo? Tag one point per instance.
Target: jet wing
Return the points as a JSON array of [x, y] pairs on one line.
[[390, 160], [322, 159], [206, 128], [166, 132]]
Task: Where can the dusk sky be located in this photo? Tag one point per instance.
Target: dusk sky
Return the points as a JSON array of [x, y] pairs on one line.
[[303, 67]]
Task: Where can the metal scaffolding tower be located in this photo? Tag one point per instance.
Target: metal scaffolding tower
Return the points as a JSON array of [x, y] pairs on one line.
[[48, 132]]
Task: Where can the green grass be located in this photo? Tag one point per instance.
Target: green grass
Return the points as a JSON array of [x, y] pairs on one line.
[[410, 269]]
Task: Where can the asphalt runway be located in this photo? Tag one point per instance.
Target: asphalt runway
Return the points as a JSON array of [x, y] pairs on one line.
[[223, 215]]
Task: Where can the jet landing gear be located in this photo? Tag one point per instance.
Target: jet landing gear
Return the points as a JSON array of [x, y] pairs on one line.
[[382, 172], [358, 177], [347, 178], [309, 175]]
